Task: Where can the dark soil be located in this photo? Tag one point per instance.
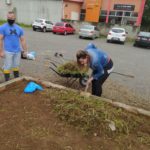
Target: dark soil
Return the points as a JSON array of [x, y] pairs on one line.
[[53, 120]]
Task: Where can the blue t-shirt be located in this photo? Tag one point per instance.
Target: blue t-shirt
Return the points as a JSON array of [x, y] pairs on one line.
[[12, 36]]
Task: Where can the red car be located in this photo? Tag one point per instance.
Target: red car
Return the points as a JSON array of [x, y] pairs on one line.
[[63, 28]]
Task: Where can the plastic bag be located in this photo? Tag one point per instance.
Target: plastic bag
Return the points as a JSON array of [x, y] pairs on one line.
[[32, 87], [30, 55]]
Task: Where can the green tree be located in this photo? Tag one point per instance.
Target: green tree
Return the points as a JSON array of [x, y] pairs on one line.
[[146, 17]]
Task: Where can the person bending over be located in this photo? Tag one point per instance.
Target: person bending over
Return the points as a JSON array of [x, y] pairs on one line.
[[100, 63]]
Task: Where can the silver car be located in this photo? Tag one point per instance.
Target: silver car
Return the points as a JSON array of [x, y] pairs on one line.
[[88, 31]]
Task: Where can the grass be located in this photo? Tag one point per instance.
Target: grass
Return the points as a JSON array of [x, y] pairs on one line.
[[21, 24], [93, 116], [71, 68]]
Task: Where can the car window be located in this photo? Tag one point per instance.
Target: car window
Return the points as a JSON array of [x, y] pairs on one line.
[[66, 25], [117, 30], [87, 27], [48, 22], [39, 21], [146, 34], [69, 25], [59, 24]]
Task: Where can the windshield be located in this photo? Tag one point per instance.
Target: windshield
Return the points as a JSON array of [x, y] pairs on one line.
[[59, 24], [87, 27], [146, 34], [39, 21], [117, 30]]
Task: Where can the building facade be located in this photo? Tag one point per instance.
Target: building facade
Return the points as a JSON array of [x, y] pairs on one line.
[[72, 9], [125, 12], [28, 10]]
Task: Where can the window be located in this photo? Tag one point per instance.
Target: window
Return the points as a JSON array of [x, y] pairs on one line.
[[146, 34], [117, 30], [69, 25], [59, 24], [82, 14], [49, 22], [119, 13], [66, 25], [134, 14], [102, 19], [39, 21], [112, 13], [103, 13], [127, 13]]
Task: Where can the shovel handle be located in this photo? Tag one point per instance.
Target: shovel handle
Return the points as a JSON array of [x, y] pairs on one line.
[[126, 75]]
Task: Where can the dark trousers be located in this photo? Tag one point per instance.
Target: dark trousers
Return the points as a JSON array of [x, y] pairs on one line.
[[97, 84]]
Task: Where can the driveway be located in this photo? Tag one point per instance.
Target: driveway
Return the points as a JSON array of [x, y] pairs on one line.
[[127, 59]]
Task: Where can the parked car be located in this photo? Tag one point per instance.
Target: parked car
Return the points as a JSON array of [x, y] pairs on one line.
[[42, 24], [88, 31], [63, 28], [117, 35], [143, 39]]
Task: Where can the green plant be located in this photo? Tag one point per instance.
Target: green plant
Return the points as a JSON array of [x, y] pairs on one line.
[[71, 68]]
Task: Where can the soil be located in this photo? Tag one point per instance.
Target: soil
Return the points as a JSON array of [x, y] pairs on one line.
[[30, 122]]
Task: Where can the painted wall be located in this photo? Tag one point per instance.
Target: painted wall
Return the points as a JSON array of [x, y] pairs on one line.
[[92, 10], [28, 10], [137, 4], [71, 10]]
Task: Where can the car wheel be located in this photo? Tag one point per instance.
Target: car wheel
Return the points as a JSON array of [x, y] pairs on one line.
[[122, 43], [44, 29], [134, 44], [80, 37], [83, 81], [65, 33], [34, 29], [108, 41], [54, 32]]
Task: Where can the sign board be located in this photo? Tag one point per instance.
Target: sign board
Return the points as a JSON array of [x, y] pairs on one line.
[[124, 7]]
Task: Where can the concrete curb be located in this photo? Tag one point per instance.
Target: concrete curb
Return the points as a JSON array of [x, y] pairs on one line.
[[47, 84]]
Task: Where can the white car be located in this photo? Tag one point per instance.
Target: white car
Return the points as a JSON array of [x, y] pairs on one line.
[[117, 35], [88, 31], [42, 24]]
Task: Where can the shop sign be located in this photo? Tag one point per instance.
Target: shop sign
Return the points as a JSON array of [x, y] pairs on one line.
[[124, 7]]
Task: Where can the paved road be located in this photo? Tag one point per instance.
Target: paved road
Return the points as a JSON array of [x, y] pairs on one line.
[[127, 59]]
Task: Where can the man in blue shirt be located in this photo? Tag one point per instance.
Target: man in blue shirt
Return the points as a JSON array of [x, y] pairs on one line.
[[12, 41], [100, 63]]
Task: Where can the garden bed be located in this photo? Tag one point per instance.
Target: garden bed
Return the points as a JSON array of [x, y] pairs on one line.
[[62, 119]]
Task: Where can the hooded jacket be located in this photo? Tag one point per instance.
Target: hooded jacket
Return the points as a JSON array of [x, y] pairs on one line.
[[98, 60]]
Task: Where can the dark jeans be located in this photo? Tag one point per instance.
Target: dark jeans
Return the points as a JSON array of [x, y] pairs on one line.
[[97, 84]]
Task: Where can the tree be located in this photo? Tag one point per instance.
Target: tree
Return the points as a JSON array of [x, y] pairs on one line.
[[146, 17]]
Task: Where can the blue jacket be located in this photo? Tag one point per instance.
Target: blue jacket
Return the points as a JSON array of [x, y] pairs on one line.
[[98, 60]]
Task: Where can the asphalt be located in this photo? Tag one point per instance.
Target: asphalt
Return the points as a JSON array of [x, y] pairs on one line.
[[127, 59]]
